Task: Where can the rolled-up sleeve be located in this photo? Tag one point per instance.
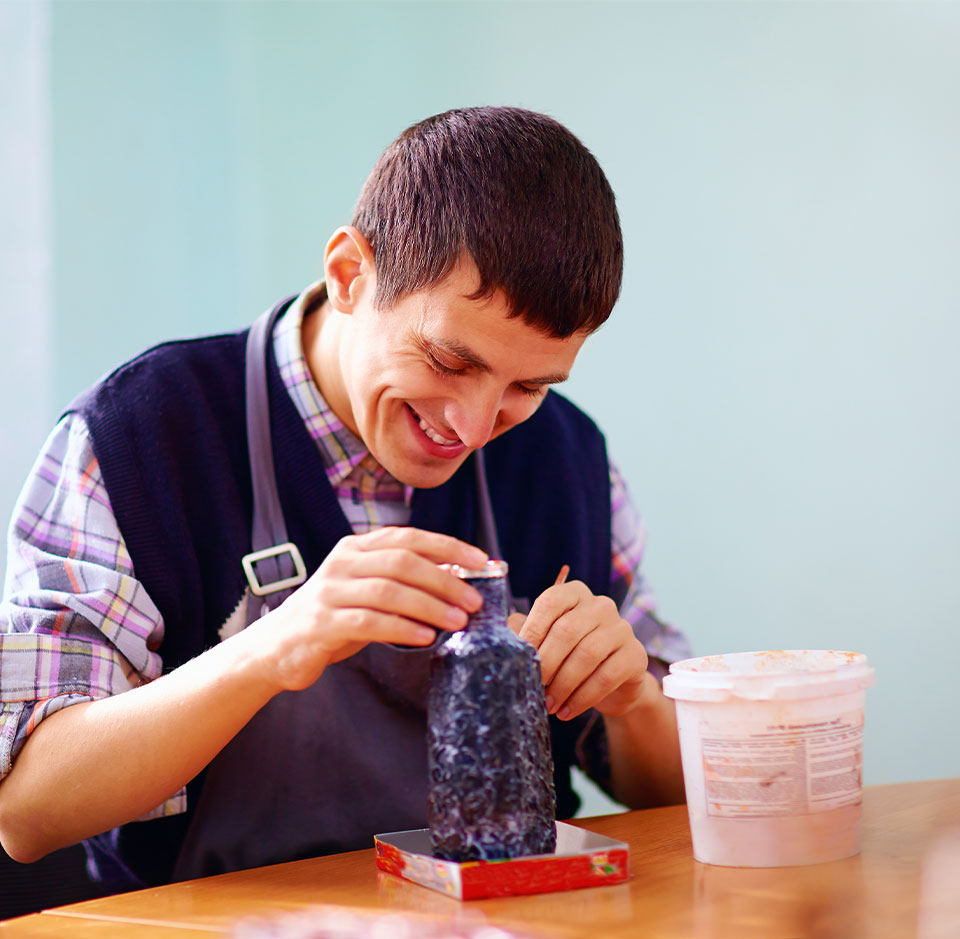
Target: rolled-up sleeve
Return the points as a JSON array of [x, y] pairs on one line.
[[664, 643], [75, 623]]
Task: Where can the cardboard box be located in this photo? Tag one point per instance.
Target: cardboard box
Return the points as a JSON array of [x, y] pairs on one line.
[[582, 859]]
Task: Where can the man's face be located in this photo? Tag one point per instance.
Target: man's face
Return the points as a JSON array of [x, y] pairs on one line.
[[438, 375]]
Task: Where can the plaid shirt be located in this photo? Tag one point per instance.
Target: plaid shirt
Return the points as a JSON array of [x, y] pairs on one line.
[[76, 624]]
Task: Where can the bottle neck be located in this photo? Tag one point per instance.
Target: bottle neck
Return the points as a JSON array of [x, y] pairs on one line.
[[493, 613]]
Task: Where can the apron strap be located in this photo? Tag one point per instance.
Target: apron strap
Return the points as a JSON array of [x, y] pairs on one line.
[[279, 565], [485, 533]]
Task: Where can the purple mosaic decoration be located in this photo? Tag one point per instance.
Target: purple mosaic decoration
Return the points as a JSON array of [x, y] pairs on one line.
[[490, 763]]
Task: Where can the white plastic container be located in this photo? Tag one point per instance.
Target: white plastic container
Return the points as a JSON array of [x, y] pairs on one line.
[[772, 749]]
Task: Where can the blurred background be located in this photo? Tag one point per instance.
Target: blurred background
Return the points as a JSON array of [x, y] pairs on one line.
[[779, 381]]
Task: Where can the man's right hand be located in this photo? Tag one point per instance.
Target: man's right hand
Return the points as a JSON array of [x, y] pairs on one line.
[[384, 586]]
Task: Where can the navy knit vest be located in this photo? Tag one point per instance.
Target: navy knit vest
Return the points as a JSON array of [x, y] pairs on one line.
[[168, 429]]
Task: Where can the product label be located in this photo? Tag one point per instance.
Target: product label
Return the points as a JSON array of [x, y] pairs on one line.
[[796, 768]]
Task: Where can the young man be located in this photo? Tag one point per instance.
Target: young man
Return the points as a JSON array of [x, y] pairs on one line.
[[140, 714]]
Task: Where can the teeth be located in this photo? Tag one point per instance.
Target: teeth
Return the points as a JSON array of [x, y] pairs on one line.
[[432, 434]]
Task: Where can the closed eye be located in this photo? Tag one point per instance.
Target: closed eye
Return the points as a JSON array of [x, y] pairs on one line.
[[442, 369], [532, 390]]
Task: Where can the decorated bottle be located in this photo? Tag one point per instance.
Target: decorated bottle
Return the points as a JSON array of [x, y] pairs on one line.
[[490, 790]]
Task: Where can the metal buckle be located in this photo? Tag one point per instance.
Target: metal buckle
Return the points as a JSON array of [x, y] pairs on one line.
[[248, 560]]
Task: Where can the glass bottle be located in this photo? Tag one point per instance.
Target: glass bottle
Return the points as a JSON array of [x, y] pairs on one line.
[[490, 764]]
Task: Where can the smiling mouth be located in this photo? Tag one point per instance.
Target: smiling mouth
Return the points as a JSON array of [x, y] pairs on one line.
[[432, 434]]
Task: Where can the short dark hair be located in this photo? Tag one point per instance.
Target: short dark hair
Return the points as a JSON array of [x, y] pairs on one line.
[[515, 190]]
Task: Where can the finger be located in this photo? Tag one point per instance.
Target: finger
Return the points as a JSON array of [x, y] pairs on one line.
[[601, 682], [515, 621], [364, 625], [436, 547], [553, 603], [568, 663], [591, 613], [570, 632], [392, 598], [406, 567]]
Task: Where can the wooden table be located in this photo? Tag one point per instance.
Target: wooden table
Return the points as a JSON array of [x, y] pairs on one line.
[[876, 894]]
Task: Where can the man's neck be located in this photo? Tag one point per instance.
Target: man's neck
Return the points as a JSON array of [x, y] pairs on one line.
[[321, 335]]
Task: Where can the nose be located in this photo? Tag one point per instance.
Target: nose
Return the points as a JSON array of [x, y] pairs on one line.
[[474, 416]]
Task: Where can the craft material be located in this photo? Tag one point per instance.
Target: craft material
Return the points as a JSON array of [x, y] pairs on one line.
[[490, 765], [772, 750]]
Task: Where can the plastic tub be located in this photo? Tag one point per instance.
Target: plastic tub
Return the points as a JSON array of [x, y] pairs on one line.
[[772, 749]]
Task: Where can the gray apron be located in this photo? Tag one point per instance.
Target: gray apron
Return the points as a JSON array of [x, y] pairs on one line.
[[320, 770]]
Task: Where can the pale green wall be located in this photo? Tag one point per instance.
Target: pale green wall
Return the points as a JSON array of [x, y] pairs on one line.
[[779, 381], [26, 356]]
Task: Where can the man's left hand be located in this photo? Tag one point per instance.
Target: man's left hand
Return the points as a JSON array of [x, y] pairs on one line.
[[589, 656]]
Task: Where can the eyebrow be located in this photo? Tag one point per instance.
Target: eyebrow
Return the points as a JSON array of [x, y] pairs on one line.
[[461, 351]]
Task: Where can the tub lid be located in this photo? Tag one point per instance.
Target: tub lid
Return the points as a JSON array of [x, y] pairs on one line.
[[768, 675]]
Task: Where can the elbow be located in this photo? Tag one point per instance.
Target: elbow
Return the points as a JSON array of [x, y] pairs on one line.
[[22, 854], [19, 849], [19, 841]]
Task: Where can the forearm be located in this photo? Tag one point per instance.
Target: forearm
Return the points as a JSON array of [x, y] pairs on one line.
[[96, 765], [645, 751]]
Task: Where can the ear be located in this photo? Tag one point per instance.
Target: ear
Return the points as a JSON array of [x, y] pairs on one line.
[[348, 268]]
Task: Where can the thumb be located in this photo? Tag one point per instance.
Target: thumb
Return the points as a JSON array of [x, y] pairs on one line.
[[515, 621]]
